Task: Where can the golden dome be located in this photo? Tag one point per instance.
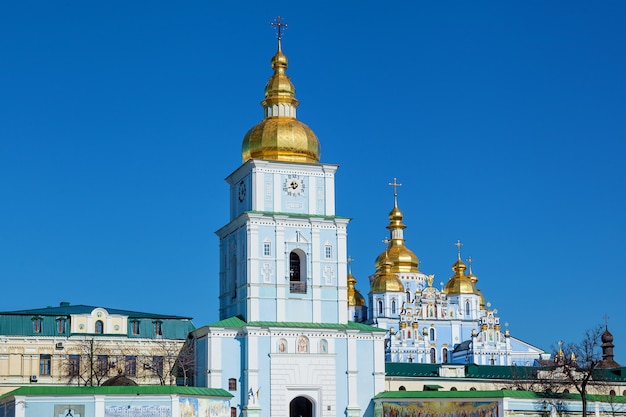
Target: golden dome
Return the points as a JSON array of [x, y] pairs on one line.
[[354, 296], [402, 258], [280, 136], [459, 283], [387, 281]]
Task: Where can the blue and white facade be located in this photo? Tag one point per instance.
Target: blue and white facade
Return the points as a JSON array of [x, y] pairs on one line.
[[425, 324], [284, 345]]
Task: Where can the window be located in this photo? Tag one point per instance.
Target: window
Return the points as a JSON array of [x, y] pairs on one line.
[[433, 355], [74, 365], [393, 306], [61, 326], [157, 365], [102, 365], [328, 251], [158, 328], [380, 306], [131, 366], [232, 384], [134, 326], [44, 364], [467, 307], [37, 322], [453, 389], [408, 296], [294, 267], [99, 327], [267, 249], [432, 334], [233, 411], [402, 388], [444, 355]]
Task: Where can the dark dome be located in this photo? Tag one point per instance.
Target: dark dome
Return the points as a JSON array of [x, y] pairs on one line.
[[119, 381]]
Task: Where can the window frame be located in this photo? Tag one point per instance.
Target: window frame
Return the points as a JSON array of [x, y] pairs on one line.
[[130, 365], [45, 364]]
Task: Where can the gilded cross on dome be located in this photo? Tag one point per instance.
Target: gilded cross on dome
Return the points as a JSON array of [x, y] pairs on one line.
[[395, 184], [350, 260], [280, 26], [458, 245]]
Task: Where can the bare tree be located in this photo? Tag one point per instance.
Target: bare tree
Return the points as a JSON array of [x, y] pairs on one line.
[[162, 363], [576, 363], [86, 363], [186, 362]]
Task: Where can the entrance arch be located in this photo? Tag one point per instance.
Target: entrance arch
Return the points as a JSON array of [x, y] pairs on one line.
[[300, 407]]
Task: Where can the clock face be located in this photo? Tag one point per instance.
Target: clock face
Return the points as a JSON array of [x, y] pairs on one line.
[[242, 191], [294, 185]]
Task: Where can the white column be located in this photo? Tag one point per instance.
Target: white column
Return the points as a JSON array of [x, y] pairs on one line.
[[281, 267], [98, 405], [353, 409], [252, 407], [316, 274]]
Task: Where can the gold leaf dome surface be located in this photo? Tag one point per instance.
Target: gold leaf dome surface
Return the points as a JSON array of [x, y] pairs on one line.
[[460, 283], [280, 136], [401, 257], [354, 296], [386, 280]]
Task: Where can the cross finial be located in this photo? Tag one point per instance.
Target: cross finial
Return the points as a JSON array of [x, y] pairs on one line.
[[469, 261], [458, 245], [350, 260], [395, 184], [606, 320], [280, 26]]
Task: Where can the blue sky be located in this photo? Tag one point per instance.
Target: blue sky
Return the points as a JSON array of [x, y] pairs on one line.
[[505, 121]]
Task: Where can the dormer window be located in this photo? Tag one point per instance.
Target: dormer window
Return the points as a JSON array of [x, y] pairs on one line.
[[158, 328], [61, 322], [134, 327], [37, 324]]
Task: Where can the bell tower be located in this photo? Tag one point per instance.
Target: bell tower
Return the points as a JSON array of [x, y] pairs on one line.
[[283, 254]]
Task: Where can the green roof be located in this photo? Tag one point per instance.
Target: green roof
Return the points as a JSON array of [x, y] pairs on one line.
[[66, 309], [125, 390], [430, 370], [237, 322], [490, 394]]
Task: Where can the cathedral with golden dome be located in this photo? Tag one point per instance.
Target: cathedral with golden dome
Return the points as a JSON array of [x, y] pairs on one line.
[[425, 324], [295, 336]]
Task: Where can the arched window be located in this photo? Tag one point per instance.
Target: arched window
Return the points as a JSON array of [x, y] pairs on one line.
[[453, 389], [408, 296], [433, 355], [99, 327], [323, 346], [294, 267], [432, 334], [401, 388], [444, 355], [473, 389], [393, 306], [380, 306], [612, 393], [467, 307], [408, 334]]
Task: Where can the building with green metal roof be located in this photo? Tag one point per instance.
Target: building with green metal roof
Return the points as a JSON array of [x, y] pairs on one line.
[[135, 401], [85, 345]]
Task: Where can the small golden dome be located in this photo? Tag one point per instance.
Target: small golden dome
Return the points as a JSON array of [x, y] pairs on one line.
[[354, 296], [459, 283], [403, 325], [387, 281], [280, 136], [414, 325], [402, 258]]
